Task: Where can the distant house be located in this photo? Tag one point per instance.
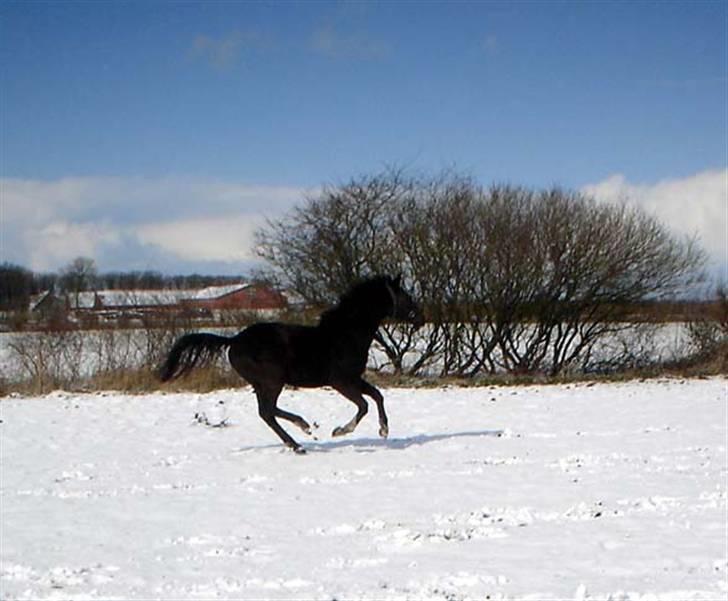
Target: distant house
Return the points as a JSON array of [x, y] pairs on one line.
[[48, 306], [112, 305]]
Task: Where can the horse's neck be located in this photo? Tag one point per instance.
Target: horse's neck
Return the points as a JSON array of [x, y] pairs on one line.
[[364, 327], [368, 329]]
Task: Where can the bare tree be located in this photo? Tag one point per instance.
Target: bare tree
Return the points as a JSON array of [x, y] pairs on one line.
[[78, 276], [563, 270], [334, 238], [511, 278], [16, 286]]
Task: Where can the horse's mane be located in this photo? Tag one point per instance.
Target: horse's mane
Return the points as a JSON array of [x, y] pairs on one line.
[[358, 301]]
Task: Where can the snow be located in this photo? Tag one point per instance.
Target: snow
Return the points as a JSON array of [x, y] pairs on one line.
[[144, 298], [583, 491], [129, 298], [213, 292]]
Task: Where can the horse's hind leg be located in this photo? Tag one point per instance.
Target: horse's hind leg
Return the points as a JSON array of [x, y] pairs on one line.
[[374, 393], [352, 393], [267, 397]]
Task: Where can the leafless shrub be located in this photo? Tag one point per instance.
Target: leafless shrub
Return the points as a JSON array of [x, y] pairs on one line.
[[708, 331], [333, 238], [111, 350], [49, 360], [563, 270], [632, 348], [72, 358], [511, 279]]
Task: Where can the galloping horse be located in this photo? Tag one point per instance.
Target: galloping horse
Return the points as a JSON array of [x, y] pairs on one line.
[[333, 353]]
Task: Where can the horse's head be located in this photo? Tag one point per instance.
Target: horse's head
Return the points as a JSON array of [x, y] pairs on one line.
[[404, 307]]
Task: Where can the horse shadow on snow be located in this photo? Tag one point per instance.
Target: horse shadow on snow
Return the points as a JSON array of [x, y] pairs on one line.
[[372, 445]]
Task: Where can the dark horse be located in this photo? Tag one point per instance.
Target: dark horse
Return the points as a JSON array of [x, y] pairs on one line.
[[333, 353]]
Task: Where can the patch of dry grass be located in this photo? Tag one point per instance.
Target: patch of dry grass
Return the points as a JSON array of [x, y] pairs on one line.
[[219, 376]]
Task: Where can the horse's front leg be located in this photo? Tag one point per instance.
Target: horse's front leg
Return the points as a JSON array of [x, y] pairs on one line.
[[374, 393], [267, 397], [297, 420]]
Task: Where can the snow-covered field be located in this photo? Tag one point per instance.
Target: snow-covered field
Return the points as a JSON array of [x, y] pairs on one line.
[[578, 491]]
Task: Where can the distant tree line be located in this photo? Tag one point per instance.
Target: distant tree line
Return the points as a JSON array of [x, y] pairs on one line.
[[514, 279], [18, 284]]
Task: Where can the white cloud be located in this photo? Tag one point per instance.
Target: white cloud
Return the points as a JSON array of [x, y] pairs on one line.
[[226, 239], [59, 242], [127, 223], [221, 52], [691, 206], [491, 44], [333, 43], [224, 51], [28, 201]]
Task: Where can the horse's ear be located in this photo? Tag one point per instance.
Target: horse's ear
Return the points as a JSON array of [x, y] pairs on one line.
[[397, 281]]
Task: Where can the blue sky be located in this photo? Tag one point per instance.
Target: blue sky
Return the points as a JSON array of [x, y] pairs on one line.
[[261, 101]]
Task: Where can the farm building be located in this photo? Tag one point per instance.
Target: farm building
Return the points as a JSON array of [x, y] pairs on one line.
[[211, 302], [258, 298], [47, 306]]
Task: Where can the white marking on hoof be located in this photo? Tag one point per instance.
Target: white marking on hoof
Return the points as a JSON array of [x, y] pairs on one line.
[[341, 430]]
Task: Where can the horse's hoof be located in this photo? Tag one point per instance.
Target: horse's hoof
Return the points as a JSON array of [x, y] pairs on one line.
[[310, 433], [340, 431], [384, 431], [299, 450]]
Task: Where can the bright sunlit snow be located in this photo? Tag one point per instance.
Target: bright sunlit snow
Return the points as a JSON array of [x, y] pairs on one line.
[[606, 491]]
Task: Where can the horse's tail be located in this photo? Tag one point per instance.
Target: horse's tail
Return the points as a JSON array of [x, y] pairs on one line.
[[190, 351]]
